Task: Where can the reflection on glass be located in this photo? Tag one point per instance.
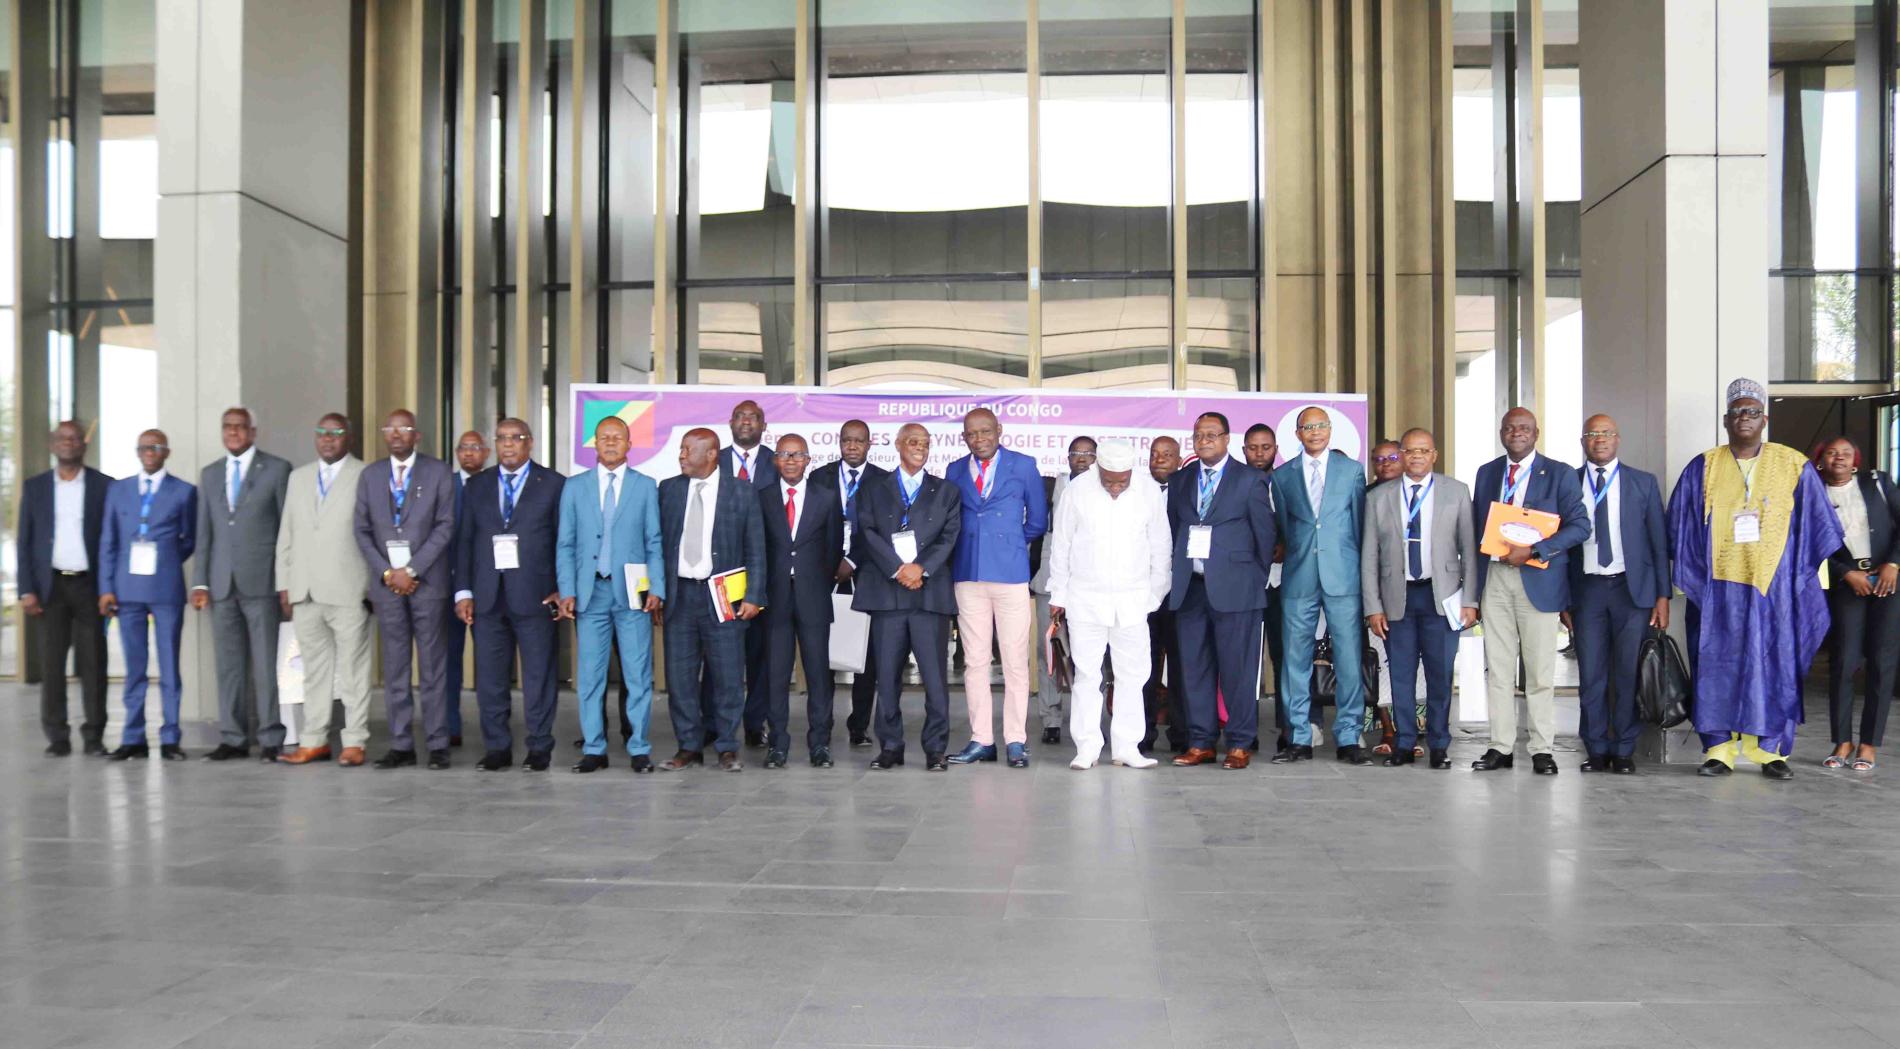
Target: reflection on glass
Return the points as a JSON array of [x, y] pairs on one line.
[[1219, 331], [740, 125], [1474, 388], [628, 145], [629, 335], [1826, 328], [104, 160], [1564, 409], [1221, 143], [739, 335], [1106, 334], [1818, 154], [971, 335]]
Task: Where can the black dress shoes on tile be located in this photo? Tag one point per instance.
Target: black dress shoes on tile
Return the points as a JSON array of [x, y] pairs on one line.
[[1441, 759], [641, 763], [936, 763], [1292, 753], [754, 738], [1354, 754], [495, 761], [1493, 760], [269, 753], [1777, 769], [1543, 764], [821, 758], [1622, 766], [129, 751], [538, 761], [1595, 763], [1051, 737], [591, 763], [1713, 767], [439, 759], [226, 752], [860, 742], [396, 759], [887, 759], [171, 752], [60, 748], [94, 749], [774, 759], [1400, 756]]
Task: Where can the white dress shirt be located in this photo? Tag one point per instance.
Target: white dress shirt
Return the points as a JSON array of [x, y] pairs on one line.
[[403, 468], [326, 479], [1851, 510], [503, 474], [242, 463], [750, 459], [1110, 559], [1613, 500], [619, 477], [1524, 470], [69, 523], [701, 568], [1429, 486]]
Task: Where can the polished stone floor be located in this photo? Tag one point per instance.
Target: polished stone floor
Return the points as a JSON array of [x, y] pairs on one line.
[[153, 905]]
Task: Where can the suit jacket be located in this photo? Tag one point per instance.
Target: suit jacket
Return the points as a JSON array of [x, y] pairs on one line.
[[1883, 526], [1383, 556], [634, 538], [237, 546], [1053, 487], [317, 556], [765, 473], [738, 539], [428, 525], [172, 525], [536, 524], [831, 475], [1640, 506], [998, 525], [936, 516], [1322, 550], [1552, 487], [1241, 515], [814, 551], [33, 550]]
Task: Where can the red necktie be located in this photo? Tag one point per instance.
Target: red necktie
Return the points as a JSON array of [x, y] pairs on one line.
[[1510, 482], [982, 474], [744, 474], [791, 510]]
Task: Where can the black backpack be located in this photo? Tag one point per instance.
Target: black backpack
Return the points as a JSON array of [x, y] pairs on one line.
[[1663, 693]]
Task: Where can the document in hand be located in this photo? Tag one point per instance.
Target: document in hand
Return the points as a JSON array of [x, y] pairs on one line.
[[727, 590], [1508, 526]]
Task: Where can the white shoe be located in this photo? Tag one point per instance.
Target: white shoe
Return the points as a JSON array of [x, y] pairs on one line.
[[1080, 765], [1136, 761]]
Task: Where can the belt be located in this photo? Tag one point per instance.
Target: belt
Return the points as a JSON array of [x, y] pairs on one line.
[[1603, 575], [1418, 582], [66, 572], [695, 578], [1865, 564], [597, 575]]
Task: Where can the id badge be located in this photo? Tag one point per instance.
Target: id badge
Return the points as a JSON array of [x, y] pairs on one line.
[[906, 544], [1748, 526], [144, 558], [398, 553], [507, 552], [1200, 542]]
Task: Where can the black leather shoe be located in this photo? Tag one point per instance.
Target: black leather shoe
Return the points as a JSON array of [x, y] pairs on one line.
[[754, 738], [1441, 760], [641, 763], [396, 759], [269, 753], [774, 759], [936, 763], [94, 749], [538, 761], [1400, 756], [1777, 769], [1543, 764], [495, 761], [1051, 736], [1352, 754], [225, 752], [130, 751], [171, 752], [591, 763], [1622, 766], [860, 742], [62, 748], [1493, 760], [821, 758], [1293, 753], [887, 759], [1595, 763], [1713, 767], [439, 759]]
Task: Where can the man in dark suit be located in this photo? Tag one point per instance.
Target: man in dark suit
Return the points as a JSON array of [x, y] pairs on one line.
[[240, 506], [405, 526], [471, 458], [907, 530], [506, 589], [1520, 602], [1619, 585], [1223, 527], [848, 476], [58, 560], [1261, 446], [709, 526], [804, 541], [748, 461], [147, 535], [1164, 687]]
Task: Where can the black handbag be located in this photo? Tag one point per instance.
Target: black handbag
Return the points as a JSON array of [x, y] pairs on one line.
[[1663, 691], [1325, 689]]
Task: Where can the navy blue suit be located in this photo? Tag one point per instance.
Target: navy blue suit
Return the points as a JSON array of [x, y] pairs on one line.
[[762, 475], [69, 607], [1610, 614], [696, 642], [907, 622], [799, 573], [1552, 487], [154, 601], [510, 614], [456, 633], [1218, 612], [833, 475]]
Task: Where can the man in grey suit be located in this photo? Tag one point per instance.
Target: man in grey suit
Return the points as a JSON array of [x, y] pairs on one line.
[[322, 582], [240, 505], [1420, 550], [405, 523]]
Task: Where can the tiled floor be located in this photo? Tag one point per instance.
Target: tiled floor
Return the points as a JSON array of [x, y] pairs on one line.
[[153, 905]]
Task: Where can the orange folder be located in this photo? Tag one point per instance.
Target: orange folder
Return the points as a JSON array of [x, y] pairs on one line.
[[1506, 525]]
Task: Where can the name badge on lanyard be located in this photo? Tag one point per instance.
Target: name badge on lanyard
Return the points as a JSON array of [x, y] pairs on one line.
[[1200, 544], [144, 560], [507, 552], [1747, 526], [398, 553], [905, 543]]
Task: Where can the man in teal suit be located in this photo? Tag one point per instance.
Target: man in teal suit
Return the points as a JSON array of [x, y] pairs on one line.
[[1319, 499], [610, 523]]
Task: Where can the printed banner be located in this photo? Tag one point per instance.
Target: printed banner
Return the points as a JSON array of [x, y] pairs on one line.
[[1037, 422]]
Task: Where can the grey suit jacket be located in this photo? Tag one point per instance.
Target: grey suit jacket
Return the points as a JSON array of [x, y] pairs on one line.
[[237, 546], [317, 556], [1382, 556], [428, 526]]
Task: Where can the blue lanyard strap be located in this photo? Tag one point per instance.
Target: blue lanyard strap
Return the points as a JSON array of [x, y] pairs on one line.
[[1523, 475], [1415, 506], [509, 482], [1597, 495], [323, 487], [397, 495], [904, 492]]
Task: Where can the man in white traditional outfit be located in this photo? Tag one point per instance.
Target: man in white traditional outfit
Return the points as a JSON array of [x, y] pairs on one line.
[[1109, 565]]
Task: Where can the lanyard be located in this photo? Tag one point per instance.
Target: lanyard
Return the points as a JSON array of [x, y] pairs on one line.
[[323, 486], [1597, 495], [1523, 475], [146, 496], [851, 490], [1419, 504], [397, 496], [904, 492], [1748, 482]]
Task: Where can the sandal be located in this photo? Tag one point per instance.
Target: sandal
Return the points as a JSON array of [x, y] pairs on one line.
[[1862, 765], [1834, 761]]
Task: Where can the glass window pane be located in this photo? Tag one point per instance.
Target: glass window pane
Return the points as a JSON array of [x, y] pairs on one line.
[[1827, 328], [1106, 334], [1562, 423], [1563, 169], [1475, 386], [738, 335], [951, 335], [1221, 142], [1818, 156], [739, 156], [629, 335], [1220, 334], [629, 141]]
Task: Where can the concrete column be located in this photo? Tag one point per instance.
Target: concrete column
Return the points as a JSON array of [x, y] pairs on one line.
[[250, 288]]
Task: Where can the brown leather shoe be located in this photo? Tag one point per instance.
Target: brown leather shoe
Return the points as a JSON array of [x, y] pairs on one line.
[[1237, 758], [729, 761], [351, 756], [681, 760], [306, 755], [1195, 756]]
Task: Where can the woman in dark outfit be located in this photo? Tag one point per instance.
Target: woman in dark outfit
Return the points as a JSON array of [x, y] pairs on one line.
[[1862, 578]]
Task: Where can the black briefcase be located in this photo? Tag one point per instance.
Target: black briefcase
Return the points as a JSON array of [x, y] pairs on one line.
[[1662, 681]]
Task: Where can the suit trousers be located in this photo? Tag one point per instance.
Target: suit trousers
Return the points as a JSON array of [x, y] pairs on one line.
[[1276, 659], [333, 641], [70, 620], [417, 623], [1422, 637], [864, 696], [1127, 647], [457, 638], [757, 680], [167, 622], [1001, 612], [895, 636], [1866, 633], [1164, 672], [1220, 653], [244, 631], [783, 627], [1514, 629], [607, 626], [1608, 629], [1300, 616], [704, 657], [1048, 697], [499, 636]]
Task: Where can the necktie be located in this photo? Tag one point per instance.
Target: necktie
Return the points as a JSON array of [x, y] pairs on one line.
[[145, 506], [744, 474], [1510, 484], [508, 483], [791, 510], [851, 494], [1209, 481], [398, 492], [1414, 536], [1604, 553], [1315, 482], [236, 471], [604, 560], [982, 475], [695, 541]]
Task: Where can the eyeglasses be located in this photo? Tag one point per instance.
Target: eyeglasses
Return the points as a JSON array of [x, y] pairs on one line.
[[1591, 435], [794, 457], [1082, 455], [1746, 413], [143, 448], [1208, 436], [480, 447], [399, 429], [332, 431], [512, 438], [1314, 427], [1385, 458]]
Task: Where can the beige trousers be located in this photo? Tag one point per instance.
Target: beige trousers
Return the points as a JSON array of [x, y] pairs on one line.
[[1002, 612], [333, 641], [1514, 629]]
